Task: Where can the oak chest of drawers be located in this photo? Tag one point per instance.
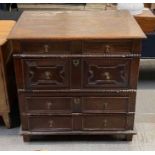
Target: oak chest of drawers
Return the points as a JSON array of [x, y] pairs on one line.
[[76, 72]]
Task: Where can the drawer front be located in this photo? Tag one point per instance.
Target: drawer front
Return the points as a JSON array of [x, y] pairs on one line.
[[111, 47], [49, 104], [80, 122], [61, 105], [45, 47], [46, 73], [54, 103], [105, 104], [49, 123], [104, 122], [109, 73]]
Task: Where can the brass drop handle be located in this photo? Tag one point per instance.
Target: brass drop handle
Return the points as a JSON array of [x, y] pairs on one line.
[[107, 48], [51, 122], [49, 105], [46, 47], [31, 73], [76, 100], [105, 105], [76, 62], [105, 123], [107, 75], [48, 75]]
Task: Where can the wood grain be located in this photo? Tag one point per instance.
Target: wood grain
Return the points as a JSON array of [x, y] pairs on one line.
[[76, 25]]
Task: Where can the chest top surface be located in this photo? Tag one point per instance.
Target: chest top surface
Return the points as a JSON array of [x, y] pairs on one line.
[[76, 25]]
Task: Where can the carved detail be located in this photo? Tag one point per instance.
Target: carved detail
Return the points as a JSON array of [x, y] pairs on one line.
[[100, 75]]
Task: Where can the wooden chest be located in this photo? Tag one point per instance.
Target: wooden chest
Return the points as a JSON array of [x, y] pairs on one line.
[[77, 72]]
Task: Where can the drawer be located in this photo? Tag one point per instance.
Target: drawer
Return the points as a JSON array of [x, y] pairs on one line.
[[45, 47], [82, 102], [61, 105], [110, 73], [46, 73], [49, 104], [49, 123], [78, 122], [76, 73], [105, 104], [111, 47], [105, 122], [40, 103]]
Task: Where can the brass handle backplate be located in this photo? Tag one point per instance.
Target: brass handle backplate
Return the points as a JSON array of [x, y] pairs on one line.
[[106, 75], [51, 123], [105, 123], [107, 48], [48, 75], [49, 105], [46, 47], [105, 105]]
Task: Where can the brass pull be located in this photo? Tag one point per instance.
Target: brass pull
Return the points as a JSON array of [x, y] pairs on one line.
[[76, 62], [46, 47], [51, 123], [49, 105], [105, 123], [107, 75], [48, 75], [105, 105], [31, 73], [107, 48], [76, 100]]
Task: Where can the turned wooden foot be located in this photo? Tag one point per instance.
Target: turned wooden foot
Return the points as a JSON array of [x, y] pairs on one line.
[[128, 137], [6, 119], [26, 138]]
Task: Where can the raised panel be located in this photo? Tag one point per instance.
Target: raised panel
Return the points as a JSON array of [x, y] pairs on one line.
[[46, 73], [106, 73]]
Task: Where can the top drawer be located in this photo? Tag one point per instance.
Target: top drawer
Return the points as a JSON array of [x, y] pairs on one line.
[[111, 47], [42, 47]]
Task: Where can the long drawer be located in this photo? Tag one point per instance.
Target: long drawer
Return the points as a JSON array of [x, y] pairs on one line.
[[105, 103], [78, 122], [76, 73]]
